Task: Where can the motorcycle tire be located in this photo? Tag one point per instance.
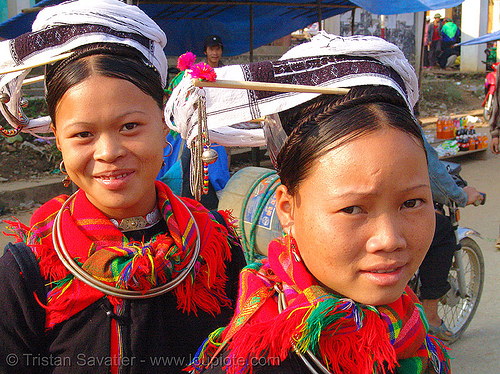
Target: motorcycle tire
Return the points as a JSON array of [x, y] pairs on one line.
[[456, 311], [487, 108]]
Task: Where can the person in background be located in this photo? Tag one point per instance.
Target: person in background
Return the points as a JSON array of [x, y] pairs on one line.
[[494, 123], [434, 270], [122, 276], [450, 36], [213, 48], [434, 38], [491, 55], [426, 43]]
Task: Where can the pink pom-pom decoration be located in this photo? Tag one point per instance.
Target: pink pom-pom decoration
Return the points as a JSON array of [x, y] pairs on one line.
[[203, 71], [186, 61]]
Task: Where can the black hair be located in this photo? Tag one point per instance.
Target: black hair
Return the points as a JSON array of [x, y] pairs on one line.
[[315, 127], [105, 59]]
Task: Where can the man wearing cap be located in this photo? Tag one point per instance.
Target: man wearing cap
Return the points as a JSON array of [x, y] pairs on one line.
[[434, 36], [213, 47]]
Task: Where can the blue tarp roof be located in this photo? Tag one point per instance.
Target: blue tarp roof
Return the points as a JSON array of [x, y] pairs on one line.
[[491, 37], [405, 6], [187, 23]]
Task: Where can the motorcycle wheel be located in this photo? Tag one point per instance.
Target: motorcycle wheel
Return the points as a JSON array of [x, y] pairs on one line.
[[456, 311], [487, 108]]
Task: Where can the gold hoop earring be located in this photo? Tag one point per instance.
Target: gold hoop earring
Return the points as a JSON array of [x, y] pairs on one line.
[[67, 180], [171, 148]]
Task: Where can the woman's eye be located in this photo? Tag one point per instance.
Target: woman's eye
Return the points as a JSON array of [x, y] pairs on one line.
[[84, 134], [352, 210], [413, 203], [130, 126]]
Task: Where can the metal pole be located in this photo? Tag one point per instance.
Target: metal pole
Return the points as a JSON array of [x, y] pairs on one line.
[[382, 26], [251, 33], [419, 55], [320, 15], [352, 21], [255, 150]]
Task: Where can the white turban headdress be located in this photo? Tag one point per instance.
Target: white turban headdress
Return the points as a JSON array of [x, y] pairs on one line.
[[326, 61], [58, 30]]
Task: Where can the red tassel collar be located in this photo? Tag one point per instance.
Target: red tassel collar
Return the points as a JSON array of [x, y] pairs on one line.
[[346, 336]]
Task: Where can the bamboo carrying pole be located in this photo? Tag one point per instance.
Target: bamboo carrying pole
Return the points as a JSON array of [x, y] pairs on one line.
[[39, 78], [274, 87], [30, 66]]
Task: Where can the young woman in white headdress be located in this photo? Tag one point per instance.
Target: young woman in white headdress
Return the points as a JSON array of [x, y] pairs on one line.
[[124, 277], [356, 207]]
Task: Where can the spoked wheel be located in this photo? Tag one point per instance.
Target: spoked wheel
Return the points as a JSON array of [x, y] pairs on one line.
[[487, 108], [457, 311]]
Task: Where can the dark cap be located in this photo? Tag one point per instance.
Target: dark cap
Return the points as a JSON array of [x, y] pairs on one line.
[[212, 40]]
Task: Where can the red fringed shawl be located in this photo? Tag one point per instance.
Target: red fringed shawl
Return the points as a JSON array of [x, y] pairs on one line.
[[103, 251], [348, 337]]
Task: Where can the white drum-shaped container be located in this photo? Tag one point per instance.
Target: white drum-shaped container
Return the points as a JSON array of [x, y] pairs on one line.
[[240, 195]]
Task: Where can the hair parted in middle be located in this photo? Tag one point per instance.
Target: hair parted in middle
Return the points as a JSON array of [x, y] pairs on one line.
[[106, 59], [324, 123]]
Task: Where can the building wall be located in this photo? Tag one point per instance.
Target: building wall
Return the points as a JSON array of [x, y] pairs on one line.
[[494, 16], [399, 28], [4, 10], [15, 7], [474, 24]]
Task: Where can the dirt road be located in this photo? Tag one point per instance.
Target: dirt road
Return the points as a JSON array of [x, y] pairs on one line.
[[478, 350]]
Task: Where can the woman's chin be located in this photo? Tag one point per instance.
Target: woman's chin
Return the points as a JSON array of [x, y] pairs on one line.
[[380, 297]]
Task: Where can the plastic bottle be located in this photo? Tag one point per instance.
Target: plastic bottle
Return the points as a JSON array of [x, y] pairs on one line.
[[439, 128], [485, 141], [451, 129], [456, 125], [444, 131], [472, 143]]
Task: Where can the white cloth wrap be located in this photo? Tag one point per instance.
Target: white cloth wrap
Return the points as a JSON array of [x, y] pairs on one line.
[[226, 107], [114, 14]]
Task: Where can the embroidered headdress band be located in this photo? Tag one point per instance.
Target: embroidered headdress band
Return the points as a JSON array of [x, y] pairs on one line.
[[58, 30]]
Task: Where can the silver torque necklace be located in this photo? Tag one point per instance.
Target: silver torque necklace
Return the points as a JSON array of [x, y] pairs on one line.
[[88, 279]]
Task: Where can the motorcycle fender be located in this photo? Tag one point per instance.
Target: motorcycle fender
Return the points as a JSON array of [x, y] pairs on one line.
[[464, 232]]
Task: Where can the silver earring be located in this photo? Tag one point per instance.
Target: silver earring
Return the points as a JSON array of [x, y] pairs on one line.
[[67, 180]]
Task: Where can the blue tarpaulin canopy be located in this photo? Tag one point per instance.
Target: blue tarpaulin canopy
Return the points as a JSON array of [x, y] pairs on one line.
[[241, 24], [491, 37]]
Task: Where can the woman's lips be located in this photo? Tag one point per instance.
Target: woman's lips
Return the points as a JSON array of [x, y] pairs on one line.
[[114, 181], [385, 276]]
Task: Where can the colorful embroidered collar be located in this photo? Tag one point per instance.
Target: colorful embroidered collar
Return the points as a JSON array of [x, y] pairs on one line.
[[103, 251]]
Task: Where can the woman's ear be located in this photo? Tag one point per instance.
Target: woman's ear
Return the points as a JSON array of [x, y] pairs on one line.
[[53, 128], [285, 208], [165, 130]]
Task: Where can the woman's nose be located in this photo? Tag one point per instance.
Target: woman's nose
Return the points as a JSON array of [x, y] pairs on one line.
[[108, 148], [387, 235]]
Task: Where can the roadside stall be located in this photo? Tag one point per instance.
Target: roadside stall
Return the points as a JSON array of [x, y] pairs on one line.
[[457, 135]]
